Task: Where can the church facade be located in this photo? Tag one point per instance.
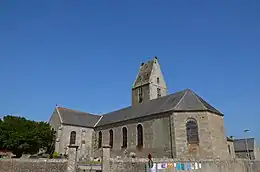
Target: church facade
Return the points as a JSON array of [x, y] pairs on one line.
[[178, 125]]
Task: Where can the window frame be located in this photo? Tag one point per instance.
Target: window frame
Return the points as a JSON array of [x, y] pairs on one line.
[[124, 137], [73, 136], [111, 138], [140, 136], [158, 80], [100, 135], [192, 131], [140, 94]]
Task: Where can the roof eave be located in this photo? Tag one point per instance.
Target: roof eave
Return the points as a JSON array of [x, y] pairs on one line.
[[140, 85], [152, 114], [76, 125], [202, 110]]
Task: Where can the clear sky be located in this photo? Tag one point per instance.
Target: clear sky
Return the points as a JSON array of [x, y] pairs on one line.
[[86, 54]]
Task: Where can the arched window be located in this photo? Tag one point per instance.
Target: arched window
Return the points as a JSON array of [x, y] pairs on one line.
[[192, 131], [111, 138], [99, 139], [73, 137], [139, 135], [124, 130]]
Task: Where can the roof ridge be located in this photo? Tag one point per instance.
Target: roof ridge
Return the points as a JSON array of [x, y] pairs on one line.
[[138, 105], [98, 120], [72, 109], [206, 104], [57, 109], [199, 99], [185, 92]]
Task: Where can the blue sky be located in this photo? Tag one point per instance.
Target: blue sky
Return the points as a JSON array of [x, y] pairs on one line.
[[86, 54]]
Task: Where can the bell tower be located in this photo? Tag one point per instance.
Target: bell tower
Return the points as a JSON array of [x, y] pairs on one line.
[[149, 83]]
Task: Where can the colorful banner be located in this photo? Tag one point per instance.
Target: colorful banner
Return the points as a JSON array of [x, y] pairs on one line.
[[188, 166], [162, 166]]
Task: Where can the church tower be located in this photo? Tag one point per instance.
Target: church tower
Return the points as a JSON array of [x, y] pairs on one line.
[[149, 83]]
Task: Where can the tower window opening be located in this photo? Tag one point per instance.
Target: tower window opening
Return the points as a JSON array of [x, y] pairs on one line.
[[158, 80], [140, 95], [159, 92]]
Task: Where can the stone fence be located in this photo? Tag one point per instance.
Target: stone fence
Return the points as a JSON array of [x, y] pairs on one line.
[[169, 165], [173, 165], [30, 165], [127, 164]]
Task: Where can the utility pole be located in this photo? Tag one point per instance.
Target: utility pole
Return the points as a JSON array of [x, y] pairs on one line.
[[247, 150]]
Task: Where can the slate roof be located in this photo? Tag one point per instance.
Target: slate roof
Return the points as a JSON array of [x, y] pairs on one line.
[[73, 117], [240, 144], [144, 73], [185, 100], [182, 101]]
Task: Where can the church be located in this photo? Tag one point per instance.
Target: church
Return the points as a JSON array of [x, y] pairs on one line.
[[177, 125]]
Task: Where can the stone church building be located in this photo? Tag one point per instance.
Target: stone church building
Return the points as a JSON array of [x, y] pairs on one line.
[[178, 125]]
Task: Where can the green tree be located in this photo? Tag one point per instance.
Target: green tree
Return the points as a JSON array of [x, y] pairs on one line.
[[1, 136], [20, 135]]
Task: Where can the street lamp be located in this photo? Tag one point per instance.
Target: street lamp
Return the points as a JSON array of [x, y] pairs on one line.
[[247, 150]]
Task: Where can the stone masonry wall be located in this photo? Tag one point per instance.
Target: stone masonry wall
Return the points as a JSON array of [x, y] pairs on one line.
[[218, 136], [204, 149], [160, 142], [150, 90], [145, 94], [244, 155], [83, 139], [156, 137], [55, 120], [206, 166], [231, 149], [19, 165], [157, 73], [213, 142], [257, 154], [55, 123]]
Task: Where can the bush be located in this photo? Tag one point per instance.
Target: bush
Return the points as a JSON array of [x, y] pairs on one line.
[[55, 155]]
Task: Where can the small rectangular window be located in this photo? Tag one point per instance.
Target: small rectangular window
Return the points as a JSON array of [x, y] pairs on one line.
[[140, 90], [158, 80], [159, 92], [140, 95]]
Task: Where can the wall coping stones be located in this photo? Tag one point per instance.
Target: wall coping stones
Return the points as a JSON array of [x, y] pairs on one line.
[[36, 160], [158, 160]]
